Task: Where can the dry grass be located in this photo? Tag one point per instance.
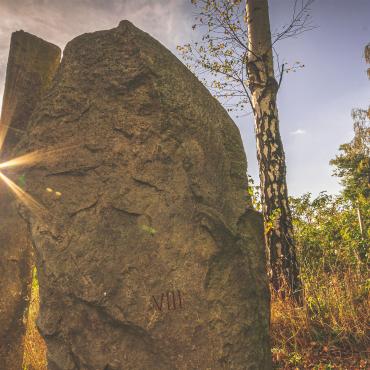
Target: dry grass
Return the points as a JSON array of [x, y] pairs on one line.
[[35, 349], [330, 331]]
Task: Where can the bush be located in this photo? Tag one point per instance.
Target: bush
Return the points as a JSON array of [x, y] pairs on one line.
[[330, 330]]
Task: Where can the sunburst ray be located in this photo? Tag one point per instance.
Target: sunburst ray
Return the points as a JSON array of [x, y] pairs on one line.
[[39, 156], [26, 199]]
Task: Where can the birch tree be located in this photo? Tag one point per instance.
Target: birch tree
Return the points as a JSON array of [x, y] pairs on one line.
[[235, 60]]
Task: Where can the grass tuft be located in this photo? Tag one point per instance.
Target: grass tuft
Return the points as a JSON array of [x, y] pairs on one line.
[[330, 331], [34, 346]]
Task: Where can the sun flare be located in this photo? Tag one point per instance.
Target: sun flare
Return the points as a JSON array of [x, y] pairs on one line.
[[25, 198], [38, 156]]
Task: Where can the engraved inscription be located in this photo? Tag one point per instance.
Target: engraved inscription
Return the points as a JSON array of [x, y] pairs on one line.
[[170, 301]]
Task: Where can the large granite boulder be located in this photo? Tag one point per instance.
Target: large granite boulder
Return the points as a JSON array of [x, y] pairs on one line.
[[152, 257], [31, 65]]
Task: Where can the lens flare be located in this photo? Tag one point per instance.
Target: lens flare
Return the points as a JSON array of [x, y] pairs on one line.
[[3, 132], [5, 117], [39, 156], [26, 159], [25, 198]]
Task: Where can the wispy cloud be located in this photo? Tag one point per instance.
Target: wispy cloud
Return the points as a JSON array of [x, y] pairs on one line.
[[169, 21], [298, 132]]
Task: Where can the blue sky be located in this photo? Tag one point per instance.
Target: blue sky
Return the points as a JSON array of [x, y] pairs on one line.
[[314, 103]]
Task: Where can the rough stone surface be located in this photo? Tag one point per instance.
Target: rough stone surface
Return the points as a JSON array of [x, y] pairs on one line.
[[153, 200], [15, 273], [31, 65]]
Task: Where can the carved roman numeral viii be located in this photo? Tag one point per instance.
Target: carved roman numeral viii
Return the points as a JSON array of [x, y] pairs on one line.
[[174, 301]]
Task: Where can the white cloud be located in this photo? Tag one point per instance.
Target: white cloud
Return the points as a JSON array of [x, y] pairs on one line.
[[169, 21], [299, 132]]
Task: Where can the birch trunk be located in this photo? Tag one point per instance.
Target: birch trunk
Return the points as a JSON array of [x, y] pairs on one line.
[[284, 271], [360, 222]]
